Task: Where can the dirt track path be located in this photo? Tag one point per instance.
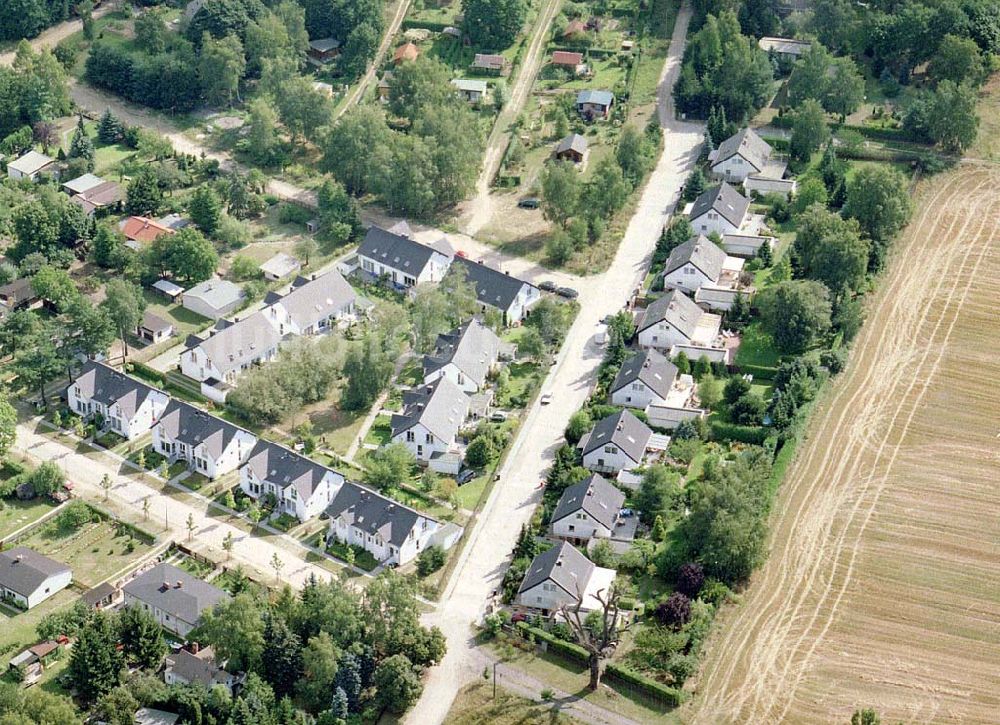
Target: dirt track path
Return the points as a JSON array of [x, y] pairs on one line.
[[50, 37], [883, 583]]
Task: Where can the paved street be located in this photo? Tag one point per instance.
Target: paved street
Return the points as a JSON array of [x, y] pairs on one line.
[[484, 558]]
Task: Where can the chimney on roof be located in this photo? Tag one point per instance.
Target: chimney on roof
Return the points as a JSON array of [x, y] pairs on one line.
[[179, 584], [165, 586], [19, 558], [195, 648]]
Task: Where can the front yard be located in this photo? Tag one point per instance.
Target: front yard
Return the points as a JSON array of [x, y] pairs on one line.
[[17, 628], [16, 514]]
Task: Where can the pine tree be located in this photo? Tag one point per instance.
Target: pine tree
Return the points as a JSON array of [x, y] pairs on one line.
[[659, 529], [765, 254], [348, 680], [110, 129], [338, 705], [526, 545], [96, 665], [141, 638], [81, 146], [282, 656], [683, 363]]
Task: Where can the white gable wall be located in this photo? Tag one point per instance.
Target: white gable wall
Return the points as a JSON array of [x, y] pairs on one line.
[[421, 442], [662, 336], [580, 525], [687, 277], [635, 395], [712, 221], [735, 168]]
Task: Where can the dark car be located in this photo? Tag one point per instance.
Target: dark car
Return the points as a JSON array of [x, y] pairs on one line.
[[464, 476], [567, 292], [529, 203], [547, 286]]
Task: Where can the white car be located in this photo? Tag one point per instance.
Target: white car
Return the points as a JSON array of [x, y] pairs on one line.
[[546, 398]]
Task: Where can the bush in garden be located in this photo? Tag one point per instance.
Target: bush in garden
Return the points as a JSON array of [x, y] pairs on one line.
[[675, 611]]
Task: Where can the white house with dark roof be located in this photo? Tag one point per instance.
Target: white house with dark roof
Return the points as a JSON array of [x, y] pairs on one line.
[[617, 443], [587, 510], [214, 298], [429, 424], [230, 348], [720, 209], [302, 487], [389, 531], [466, 356], [645, 377], [513, 297], [210, 445], [701, 267], [128, 407], [312, 306], [401, 260], [674, 322], [196, 665], [176, 599], [563, 577], [741, 155], [28, 578], [30, 166]]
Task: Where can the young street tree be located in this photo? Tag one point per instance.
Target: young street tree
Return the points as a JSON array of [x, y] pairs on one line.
[[602, 640]]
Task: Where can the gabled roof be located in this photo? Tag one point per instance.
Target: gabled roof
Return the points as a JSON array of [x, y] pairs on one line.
[[472, 348], [489, 61], [396, 251], [281, 265], [700, 251], [83, 183], [593, 495], [324, 45], [374, 514], [747, 144], [313, 300], [235, 345], [675, 308], [141, 229], [30, 163], [441, 407], [283, 467], [107, 386], [730, 204], [185, 423], [573, 142], [469, 85], [407, 51], [623, 430], [104, 194], [648, 367], [599, 98], [574, 27], [19, 291], [23, 570], [493, 287], [216, 293], [200, 668], [563, 565], [567, 57], [175, 592]]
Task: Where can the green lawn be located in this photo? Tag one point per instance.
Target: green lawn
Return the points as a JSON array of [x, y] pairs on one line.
[[469, 494], [381, 432], [16, 514], [434, 11], [17, 628], [475, 705], [757, 348], [524, 378], [185, 321]]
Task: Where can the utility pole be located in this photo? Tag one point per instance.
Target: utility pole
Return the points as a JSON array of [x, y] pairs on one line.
[[495, 680]]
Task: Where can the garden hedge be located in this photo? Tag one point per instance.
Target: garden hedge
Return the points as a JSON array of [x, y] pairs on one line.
[[572, 651], [657, 690], [141, 370], [754, 435]]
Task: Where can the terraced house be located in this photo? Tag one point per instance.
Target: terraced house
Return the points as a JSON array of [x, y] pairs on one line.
[[228, 350], [429, 424], [312, 306], [125, 405], [403, 261], [301, 487], [210, 445], [466, 356]]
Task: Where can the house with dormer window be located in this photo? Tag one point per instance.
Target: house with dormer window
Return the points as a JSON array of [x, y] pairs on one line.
[[312, 306], [126, 406], [720, 209], [590, 509], [429, 424], [403, 261], [209, 445], [300, 486], [230, 348], [617, 443], [466, 356], [563, 577]]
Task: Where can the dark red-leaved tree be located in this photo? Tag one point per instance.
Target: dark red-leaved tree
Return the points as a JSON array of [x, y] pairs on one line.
[[690, 579], [675, 611]]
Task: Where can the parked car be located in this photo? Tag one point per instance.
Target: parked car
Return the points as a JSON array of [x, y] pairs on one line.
[[567, 292], [547, 286], [529, 203], [465, 475], [498, 416], [546, 398]]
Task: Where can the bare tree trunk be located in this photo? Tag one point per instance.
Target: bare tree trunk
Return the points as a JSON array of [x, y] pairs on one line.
[[595, 671]]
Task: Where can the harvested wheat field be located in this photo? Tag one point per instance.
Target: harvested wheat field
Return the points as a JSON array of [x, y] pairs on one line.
[[882, 588]]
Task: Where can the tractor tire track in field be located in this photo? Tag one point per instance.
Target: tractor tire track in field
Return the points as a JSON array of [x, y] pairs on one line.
[[771, 659]]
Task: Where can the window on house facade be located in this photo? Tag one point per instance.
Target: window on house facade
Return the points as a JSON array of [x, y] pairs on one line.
[[428, 438], [410, 436]]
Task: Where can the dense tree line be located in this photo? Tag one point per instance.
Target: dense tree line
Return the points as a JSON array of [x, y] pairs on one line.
[[21, 19], [33, 91], [357, 24]]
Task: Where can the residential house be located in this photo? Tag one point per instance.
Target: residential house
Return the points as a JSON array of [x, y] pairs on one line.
[[489, 64], [154, 329], [140, 231], [19, 295], [210, 445], [742, 154], [103, 596], [471, 91], [617, 443], [391, 532], [702, 267], [720, 209], [429, 424], [568, 59], [107, 196], [280, 266], [784, 47], [312, 306], [323, 50], [28, 578], [572, 148], [401, 260], [594, 104], [301, 487], [30, 166], [563, 577], [680, 403], [229, 349], [214, 298], [405, 52], [674, 323], [587, 510], [511, 296], [645, 377], [81, 184], [466, 356], [196, 665], [128, 407], [176, 599]]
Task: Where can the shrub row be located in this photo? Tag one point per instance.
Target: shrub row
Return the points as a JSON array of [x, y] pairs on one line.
[[572, 651], [753, 435], [647, 685], [758, 371], [141, 370], [426, 25]]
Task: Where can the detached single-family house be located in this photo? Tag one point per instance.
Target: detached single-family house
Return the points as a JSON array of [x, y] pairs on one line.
[[30, 166], [674, 322], [196, 665], [302, 487], [472, 91], [489, 64], [617, 443], [139, 231], [572, 148], [466, 356], [740, 155], [280, 266], [404, 53], [720, 209], [587, 510], [210, 445], [230, 348], [389, 531], [323, 50], [786, 47], [129, 407], [403, 261], [107, 196], [594, 104], [701, 267], [20, 295], [312, 306], [153, 328], [176, 599], [214, 298], [562, 576], [511, 296], [81, 184], [571, 60], [27, 578], [429, 424], [646, 377]]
